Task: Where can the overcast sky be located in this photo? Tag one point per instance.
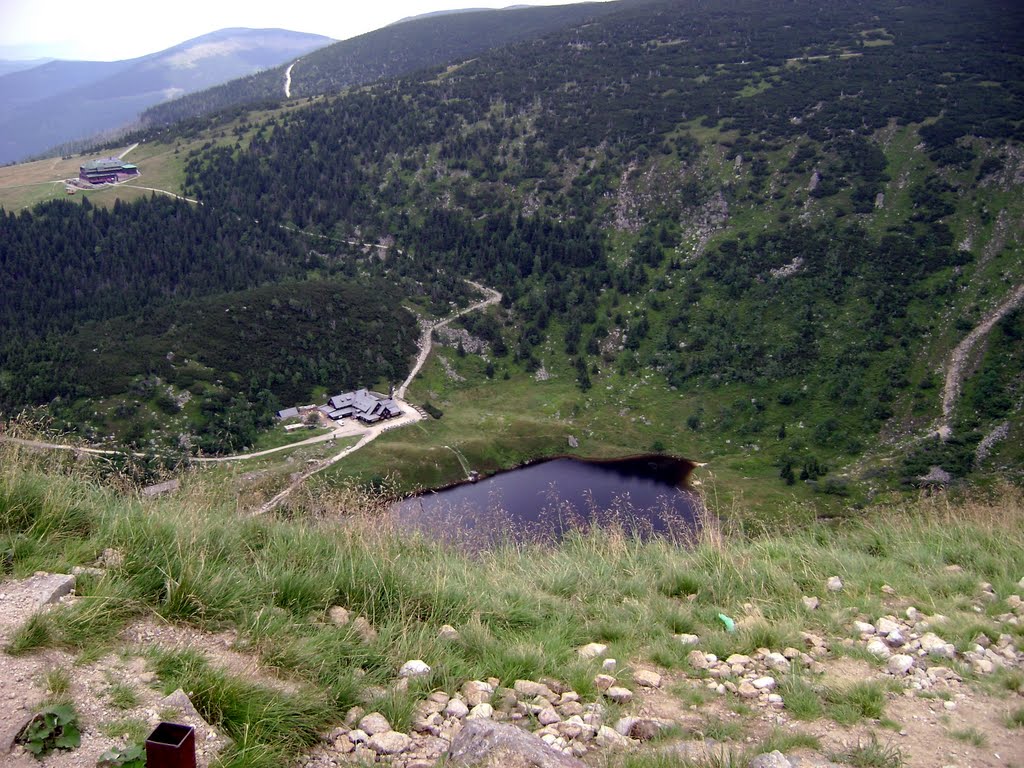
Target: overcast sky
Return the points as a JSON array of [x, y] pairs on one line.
[[107, 30]]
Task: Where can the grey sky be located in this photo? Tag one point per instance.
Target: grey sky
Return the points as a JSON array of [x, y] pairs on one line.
[[106, 30]]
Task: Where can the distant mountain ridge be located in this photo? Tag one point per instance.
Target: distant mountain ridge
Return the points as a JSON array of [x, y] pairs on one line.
[[60, 101], [397, 50]]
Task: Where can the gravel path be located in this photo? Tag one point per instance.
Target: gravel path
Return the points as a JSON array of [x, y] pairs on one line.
[[957, 364]]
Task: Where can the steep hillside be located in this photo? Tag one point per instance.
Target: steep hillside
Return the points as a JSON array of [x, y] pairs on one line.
[[790, 218], [399, 49], [66, 100], [741, 232]]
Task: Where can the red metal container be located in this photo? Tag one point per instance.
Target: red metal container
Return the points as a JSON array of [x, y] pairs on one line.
[[171, 745]]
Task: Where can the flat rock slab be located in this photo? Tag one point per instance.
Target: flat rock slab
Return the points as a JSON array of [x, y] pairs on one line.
[[487, 744], [20, 599]]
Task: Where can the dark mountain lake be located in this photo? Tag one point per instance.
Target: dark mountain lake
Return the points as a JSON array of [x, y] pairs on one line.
[[644, 496]]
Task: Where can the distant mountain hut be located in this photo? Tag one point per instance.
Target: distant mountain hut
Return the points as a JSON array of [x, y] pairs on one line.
[[367, 407], [109, 170]]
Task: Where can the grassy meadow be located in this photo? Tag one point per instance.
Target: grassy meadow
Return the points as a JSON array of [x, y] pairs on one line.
[[521, 610]]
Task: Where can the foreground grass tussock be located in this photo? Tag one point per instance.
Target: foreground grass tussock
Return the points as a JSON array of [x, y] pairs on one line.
[[520, 611]]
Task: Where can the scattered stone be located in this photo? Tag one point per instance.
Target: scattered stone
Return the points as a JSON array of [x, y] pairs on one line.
[[697, 660], [548, 716], [374, 723], [863, 628], [450, 633], [618, 694], [645, 729], [414, 668], [953, 569], [934, 645], [609, 737], [879, 649], [486, 744], [364, 629], [573, 442], [747, 690], [770, 760], [604, 682], [530, 689], [811, 603], [608, 665], [834, 584], [593, 650], [180, 701], [886, 589], [481, 712], [687, 639], [900, 664], [477, 692], [764, 683], [456, 708], [647, 679], [389, 743]]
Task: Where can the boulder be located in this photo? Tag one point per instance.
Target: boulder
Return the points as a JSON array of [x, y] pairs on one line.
[[593, 650], [389, 743], [770, 760], [811, 603], [450, 633], [487, 744], [647, 679], [374, 723], [456, 708], [834, 584], [414, 668], [900, 664]]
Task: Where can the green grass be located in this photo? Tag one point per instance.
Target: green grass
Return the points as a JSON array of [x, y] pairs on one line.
[[58, 683], [856, 702], [132, 730], [870, 754], [122, 696], [971, 736], [1015, 719], [521, 610]]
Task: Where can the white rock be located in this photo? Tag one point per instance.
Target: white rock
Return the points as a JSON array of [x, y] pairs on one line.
[[484, 711], [811, 603], [374, 723], [456, 708], [863, 628], [593, 650], [895, 639], [900, 664], [934, 645], [764, 683], [647, 679], [877, 648], [477, 692], [530, 689], [609, 737], [448, 632], [414, 668], [885, 625], [358, 736], [604, 682], [389, 743], [618, 694], [777, 661], [608, 665], [834, 584], [697, 660], [338, 615], [738, 659], [548, 716], [687, 639]]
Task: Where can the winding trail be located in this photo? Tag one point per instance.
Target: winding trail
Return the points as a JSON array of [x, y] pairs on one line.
[[957, 363], [288, 79], [410, 415], [427, 340]]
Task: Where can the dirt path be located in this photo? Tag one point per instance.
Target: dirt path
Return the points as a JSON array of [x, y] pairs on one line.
[[427, 339], [957, 364], [162, 192], [409, 414], [133, 146], [288, 79]]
